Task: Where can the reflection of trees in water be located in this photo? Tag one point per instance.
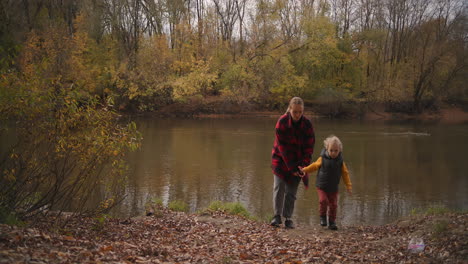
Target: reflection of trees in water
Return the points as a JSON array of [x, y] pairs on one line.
[[199, 161], [399, 172]]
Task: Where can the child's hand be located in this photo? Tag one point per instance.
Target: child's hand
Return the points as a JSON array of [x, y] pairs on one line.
[[350, 192], [301, 172]]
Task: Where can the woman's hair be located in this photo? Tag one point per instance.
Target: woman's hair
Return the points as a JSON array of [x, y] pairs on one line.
[[294, 100], [331, 140]]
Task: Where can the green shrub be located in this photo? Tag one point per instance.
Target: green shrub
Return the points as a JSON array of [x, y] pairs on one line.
[[153, 206], [178, 206], [9, 218], [440, 227], [100, 221], [433, 210], [216, 206], [154, 201], [237, 209], [230, 208], [437, 210]]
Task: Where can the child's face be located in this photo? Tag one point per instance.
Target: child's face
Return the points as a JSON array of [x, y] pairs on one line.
[[333, 150]]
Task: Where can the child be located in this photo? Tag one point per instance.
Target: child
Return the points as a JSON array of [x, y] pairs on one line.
[[331, 168]]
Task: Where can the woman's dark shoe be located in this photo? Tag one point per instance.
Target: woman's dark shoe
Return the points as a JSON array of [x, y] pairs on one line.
[[332, 226], [276, 221], [323, 220], [289, 224]]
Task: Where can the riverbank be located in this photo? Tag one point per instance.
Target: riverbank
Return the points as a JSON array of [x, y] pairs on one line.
[[215, 237], [445, 113]]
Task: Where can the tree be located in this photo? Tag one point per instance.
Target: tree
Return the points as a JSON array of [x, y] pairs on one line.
[[69, 141], [177, 13], [435, 58], [342, 15]]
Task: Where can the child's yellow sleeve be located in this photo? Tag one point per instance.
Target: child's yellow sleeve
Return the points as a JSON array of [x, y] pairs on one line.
[[314, 166], [345, 175]]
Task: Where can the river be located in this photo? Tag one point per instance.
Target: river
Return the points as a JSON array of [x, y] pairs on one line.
[[395, 167]]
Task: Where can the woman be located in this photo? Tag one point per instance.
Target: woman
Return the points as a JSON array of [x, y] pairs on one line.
[[293, 147]]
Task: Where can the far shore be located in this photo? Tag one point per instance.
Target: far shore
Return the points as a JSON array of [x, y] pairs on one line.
[[444, 115]]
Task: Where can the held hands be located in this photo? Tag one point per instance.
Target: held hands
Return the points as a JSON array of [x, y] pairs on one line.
[[300, 173]]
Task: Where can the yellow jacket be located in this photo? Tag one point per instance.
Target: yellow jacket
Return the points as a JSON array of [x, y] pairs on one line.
[[344, 171]]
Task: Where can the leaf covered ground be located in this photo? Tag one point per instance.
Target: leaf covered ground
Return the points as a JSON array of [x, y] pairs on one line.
[[174, 237]]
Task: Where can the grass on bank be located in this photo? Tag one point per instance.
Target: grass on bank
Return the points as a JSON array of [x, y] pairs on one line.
[[9, 218], [153, 206], [434, 210], [229, 208], [178, 206], [440, 224]]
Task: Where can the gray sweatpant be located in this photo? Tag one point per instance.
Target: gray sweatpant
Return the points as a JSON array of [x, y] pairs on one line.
[[284, 196]]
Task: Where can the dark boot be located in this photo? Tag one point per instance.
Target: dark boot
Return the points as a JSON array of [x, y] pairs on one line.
[[288, 224], [323, 220], [276, 221], [332, 226]]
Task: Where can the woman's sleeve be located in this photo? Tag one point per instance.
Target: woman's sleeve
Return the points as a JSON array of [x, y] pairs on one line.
[[308, 145]]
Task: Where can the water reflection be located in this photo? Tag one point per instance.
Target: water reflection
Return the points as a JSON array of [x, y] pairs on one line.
[[394, 167]]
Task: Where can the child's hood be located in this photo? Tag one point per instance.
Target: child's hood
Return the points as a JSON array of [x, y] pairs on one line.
[[324, 152]]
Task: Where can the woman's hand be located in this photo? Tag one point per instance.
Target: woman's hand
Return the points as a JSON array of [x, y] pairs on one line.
[[300, 173]]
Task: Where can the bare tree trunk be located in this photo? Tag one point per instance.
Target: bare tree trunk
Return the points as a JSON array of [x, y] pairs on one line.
[[342, 15], [153, 11], [228, 17], [200, 7], [240, 13], [176, 10]]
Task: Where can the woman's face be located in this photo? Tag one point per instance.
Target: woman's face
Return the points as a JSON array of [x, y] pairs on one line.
[[296, 112]]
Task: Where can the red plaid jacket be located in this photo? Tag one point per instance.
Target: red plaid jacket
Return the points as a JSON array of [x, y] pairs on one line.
[[293, 147]]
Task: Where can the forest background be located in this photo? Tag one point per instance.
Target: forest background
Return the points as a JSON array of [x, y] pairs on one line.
[[69, 67], [143, 55]]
